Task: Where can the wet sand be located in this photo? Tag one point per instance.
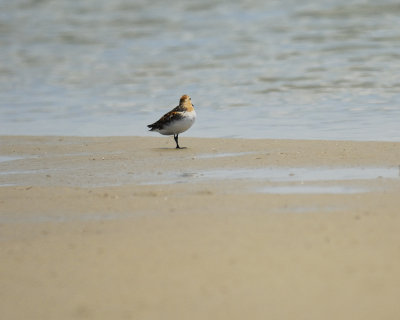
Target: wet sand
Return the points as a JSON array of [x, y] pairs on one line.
[[130, 228]]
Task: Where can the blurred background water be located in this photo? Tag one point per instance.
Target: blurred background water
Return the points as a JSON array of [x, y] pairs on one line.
[[254, 69]]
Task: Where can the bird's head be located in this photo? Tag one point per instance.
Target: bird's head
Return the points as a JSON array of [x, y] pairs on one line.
[[186, 101]]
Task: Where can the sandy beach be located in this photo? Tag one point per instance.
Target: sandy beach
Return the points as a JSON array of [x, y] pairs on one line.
[[131, 228]]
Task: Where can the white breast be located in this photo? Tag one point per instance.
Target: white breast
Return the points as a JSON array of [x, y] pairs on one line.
[[179, 126]]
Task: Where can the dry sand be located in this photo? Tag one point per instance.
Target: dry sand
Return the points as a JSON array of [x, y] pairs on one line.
[[130, 228]]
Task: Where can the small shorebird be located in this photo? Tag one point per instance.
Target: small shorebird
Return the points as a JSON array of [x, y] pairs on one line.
[[177, 120]]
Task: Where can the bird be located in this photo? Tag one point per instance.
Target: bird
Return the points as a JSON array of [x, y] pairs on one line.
[[176, 121]]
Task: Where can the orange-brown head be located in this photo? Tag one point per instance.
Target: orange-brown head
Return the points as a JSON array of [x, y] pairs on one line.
[[186, 102]]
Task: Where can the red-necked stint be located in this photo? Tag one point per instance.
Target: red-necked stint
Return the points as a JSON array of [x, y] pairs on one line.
[[177, 120]]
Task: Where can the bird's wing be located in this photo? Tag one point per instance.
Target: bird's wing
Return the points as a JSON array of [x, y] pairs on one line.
[[167, 118]]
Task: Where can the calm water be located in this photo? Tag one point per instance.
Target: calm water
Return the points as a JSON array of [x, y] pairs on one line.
[[273, 69]]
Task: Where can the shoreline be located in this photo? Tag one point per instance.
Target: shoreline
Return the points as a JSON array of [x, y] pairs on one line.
[[129, 227], [155, 135]]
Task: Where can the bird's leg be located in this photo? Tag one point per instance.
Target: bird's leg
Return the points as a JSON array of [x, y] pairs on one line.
[[176, 140]]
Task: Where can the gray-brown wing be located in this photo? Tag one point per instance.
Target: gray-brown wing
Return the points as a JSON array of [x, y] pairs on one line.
[[174, 114]]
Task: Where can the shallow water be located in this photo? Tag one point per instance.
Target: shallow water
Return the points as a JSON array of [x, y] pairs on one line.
[[9, 158], [222, 155], [274, 180], [314, 189], [256, 69], [281, 175], [281, 180]]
